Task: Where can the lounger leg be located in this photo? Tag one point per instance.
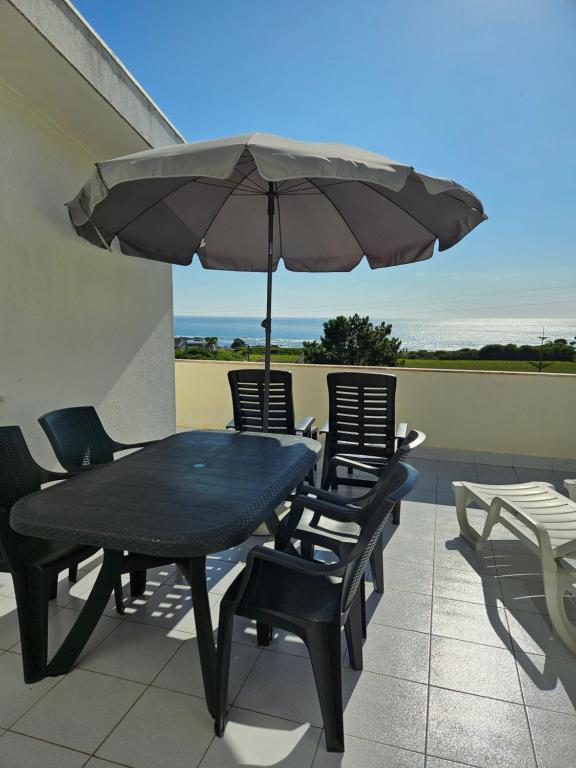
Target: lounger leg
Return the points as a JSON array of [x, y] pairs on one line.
[[73, 573], [323, 643], [461, 497], [554, 589], [396, 514]]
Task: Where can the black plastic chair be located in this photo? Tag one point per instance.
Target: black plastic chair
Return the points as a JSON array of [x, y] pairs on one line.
[[361, 426], [312, 600], [247, 388], [80, 442], [33, 563], [326, 519]]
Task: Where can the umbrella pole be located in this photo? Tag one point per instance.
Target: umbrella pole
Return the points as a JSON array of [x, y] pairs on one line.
[[267, 323]]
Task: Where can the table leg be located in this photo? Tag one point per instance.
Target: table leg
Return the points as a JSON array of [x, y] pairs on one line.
[[196, 575], [90, 614]]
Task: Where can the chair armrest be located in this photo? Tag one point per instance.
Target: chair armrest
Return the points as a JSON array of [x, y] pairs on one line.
[[291, 562], [337, 512], [342, 461], [320, 493], [324, 429], [47, 476], [231, 425], [305, 424], [401, 430]]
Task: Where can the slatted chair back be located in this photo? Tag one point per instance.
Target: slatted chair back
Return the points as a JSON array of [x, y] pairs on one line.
[[361, 414], [78, 437], [372, 519], [247, 388]]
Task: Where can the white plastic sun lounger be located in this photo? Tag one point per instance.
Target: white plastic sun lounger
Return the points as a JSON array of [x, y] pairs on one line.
[[545, 521]]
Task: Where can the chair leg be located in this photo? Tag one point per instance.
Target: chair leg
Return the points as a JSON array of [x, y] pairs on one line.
[[353, 631], [323, 641], [31, 590], [396, 514], [224, 650], [53, 594], [263, 633], [137, 583], [73, 574], [377, 566], [363, 604], [119, 597]]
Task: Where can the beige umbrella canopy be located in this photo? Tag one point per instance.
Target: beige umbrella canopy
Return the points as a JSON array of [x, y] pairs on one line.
[[245, 202]]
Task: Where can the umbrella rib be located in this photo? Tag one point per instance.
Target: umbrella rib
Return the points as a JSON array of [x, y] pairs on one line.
[[222, 204], [378, 192], [339, 212], [149, 208]]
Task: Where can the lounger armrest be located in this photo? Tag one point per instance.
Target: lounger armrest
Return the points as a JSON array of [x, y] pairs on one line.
[[305, 425], [500, 503], [324, 429], [570, 486]]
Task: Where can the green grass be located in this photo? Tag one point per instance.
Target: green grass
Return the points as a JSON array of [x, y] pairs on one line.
[[490, 365]]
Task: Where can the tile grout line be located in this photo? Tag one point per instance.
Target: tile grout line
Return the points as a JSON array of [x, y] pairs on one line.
[[428, 688]]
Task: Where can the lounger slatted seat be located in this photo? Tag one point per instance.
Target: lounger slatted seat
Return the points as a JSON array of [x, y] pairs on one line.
[[545, 521]]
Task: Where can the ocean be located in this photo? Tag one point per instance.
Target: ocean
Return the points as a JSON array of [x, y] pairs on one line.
[[415, 334]]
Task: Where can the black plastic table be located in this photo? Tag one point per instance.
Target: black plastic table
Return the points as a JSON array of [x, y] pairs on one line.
[[177, 500]]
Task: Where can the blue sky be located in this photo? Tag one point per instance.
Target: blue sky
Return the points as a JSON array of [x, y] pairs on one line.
[[481, 91]]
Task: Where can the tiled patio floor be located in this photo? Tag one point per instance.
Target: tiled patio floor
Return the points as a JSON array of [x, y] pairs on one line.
[[460, 664]]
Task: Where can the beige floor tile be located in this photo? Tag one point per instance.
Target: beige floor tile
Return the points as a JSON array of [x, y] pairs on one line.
[[80, 711], [478, 731], [17, 751], [162, 729], [252, 739]]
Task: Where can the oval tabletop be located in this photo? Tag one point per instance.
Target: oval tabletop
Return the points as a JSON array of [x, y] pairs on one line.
[[188, 495]]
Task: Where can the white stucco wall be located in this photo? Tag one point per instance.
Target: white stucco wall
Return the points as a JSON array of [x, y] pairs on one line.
[[78, 325]]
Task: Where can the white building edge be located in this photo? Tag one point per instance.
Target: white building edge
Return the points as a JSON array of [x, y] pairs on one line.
[[78, 325]]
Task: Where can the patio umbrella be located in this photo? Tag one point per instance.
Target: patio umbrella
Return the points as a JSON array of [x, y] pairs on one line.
[[245, 202]]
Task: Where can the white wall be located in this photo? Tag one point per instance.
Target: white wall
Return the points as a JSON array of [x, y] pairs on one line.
[[521, 413], [78, 325]]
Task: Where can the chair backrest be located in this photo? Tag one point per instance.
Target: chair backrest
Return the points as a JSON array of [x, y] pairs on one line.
[[77, 437], [389, 491], [247, 388], [361, 415], [19, 476], [19, 473]]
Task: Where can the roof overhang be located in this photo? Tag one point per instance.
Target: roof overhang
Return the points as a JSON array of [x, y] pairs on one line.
[[55, 60]]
